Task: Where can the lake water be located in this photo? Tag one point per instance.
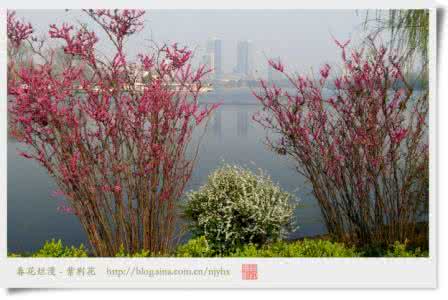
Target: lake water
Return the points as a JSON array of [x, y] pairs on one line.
[[232, 137]]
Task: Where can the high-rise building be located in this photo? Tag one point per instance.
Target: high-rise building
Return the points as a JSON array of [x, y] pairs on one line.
[[243, 58], [218, 57], [214, 51]]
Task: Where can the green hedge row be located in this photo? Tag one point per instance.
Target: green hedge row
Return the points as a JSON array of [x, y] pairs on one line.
[[305, 248], [199, 247]]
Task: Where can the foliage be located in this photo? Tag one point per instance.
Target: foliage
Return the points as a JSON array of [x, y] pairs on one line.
[[117, 148], [15, 255], [395, 250], [122, 253], [305, 248], [237, 207], [409, 29], [363, 148], [401, 250], [197, 247], [55, 248]]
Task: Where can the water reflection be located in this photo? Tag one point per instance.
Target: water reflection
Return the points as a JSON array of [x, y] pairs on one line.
[[242, 123], [216, 123]]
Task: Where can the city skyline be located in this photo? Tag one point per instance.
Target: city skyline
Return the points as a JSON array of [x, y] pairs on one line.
[[243, 62], [299, 38]]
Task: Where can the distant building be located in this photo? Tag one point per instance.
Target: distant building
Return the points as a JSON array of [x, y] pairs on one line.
[[214, 53], [243, 58]]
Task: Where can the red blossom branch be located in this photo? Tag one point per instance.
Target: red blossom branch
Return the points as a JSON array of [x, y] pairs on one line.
[[119, 148], [363, 147]]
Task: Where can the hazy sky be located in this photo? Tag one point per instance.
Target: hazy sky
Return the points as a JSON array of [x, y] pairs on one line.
[[301, 38]]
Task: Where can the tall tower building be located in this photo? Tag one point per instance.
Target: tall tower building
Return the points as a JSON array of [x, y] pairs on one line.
[[217, 56], [243, 58]]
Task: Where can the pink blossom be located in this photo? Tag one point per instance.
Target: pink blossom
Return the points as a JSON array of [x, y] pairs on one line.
[[351, 144], [65, 209], [146, 61], [117, 188], [398, 135], [26, 155], [17, 31], [57, 193], [277, 65], [119, 61], [325, 70], [89, 123]]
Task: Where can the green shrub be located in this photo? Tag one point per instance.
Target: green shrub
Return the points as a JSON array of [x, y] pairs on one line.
[[57, 249], [401, 250], [236, 207], [396, 250], [195, 248], [122, 253], [14, 255], [305, 248]]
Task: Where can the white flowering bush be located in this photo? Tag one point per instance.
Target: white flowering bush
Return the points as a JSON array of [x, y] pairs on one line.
[[237, 207]]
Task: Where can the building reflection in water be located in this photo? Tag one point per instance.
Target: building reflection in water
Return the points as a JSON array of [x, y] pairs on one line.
[[216, 123], [242, 123]]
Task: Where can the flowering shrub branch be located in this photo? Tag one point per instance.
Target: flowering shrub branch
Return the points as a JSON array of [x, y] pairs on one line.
[[116, 148], [364, 148]]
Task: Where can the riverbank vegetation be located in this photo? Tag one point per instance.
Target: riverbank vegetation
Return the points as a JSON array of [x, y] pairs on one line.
[[199, 247]]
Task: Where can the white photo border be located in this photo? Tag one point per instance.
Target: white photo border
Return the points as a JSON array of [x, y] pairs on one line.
[[226, 272]]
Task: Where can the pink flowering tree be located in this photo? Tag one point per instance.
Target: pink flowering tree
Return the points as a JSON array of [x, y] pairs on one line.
[[360, 138], [116, 136]]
